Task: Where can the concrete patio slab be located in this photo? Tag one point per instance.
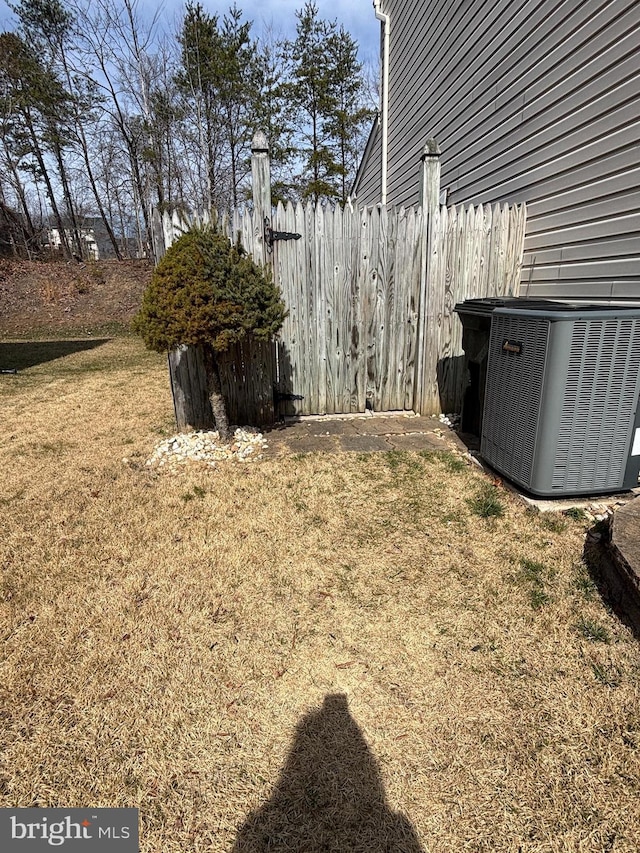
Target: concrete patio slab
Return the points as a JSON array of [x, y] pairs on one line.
[[323, 428], [291, 429], [364, 443], [419, 441], [389, 426], [361, 434], [307, 444]]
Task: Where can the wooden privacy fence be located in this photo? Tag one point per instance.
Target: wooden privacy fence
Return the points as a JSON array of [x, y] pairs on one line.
[[370, 293], [247, 373]]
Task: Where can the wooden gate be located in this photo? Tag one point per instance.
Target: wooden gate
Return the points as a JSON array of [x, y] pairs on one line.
[[352, 287], [370, 294]]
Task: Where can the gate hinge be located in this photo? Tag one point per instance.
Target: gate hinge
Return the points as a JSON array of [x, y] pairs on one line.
[[270, 236]]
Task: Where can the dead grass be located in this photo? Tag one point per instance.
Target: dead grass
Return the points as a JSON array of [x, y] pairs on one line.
[[309, 653], [43, 298]]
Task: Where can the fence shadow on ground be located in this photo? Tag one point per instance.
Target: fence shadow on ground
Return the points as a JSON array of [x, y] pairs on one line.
[[329, 795], [20, 355]]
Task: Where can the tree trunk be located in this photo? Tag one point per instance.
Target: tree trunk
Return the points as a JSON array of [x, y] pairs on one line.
[[136, 179], [64, 242], [18, 187], [139, 185], [78, 243], [211, 167], [96, 193], [86, 157], [218, 404]]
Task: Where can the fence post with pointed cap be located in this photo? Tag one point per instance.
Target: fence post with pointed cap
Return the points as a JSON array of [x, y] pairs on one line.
[[261, 188], [427, 343]]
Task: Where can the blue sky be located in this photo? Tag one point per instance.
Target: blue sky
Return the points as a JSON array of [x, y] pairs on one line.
[[357, 16]]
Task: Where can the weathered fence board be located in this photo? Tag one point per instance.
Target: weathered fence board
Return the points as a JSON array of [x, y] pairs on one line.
[[189, 388], [359, 333], [247, 376]]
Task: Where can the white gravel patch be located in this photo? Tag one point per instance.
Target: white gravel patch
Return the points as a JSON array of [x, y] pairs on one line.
[[206, 448], [451, 420]]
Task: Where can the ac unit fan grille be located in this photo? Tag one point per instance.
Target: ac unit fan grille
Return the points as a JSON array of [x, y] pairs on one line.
[[512, 400], [603, 379]]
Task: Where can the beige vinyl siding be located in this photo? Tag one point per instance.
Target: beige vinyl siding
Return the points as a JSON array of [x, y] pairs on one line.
[[529, 100]]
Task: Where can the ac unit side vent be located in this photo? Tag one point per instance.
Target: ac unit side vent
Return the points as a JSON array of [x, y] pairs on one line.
[[513, 395], [603, 382]]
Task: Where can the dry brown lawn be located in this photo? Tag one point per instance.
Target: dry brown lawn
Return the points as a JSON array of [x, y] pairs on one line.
[[306, 653]]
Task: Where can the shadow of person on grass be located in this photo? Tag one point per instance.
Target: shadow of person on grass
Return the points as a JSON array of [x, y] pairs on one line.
[[329, 797]]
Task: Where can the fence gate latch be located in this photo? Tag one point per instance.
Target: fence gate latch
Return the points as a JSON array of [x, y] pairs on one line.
[[270, 236]]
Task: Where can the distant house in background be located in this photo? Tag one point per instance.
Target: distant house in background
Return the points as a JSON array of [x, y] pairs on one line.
[[529, 100], [94, 235]]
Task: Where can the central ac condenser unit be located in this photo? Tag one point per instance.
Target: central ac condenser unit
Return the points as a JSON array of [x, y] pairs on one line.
[[561, 410]]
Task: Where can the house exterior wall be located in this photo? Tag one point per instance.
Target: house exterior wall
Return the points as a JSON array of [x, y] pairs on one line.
[[368, 179], [86, 235], [93, 233], [529, 100]]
